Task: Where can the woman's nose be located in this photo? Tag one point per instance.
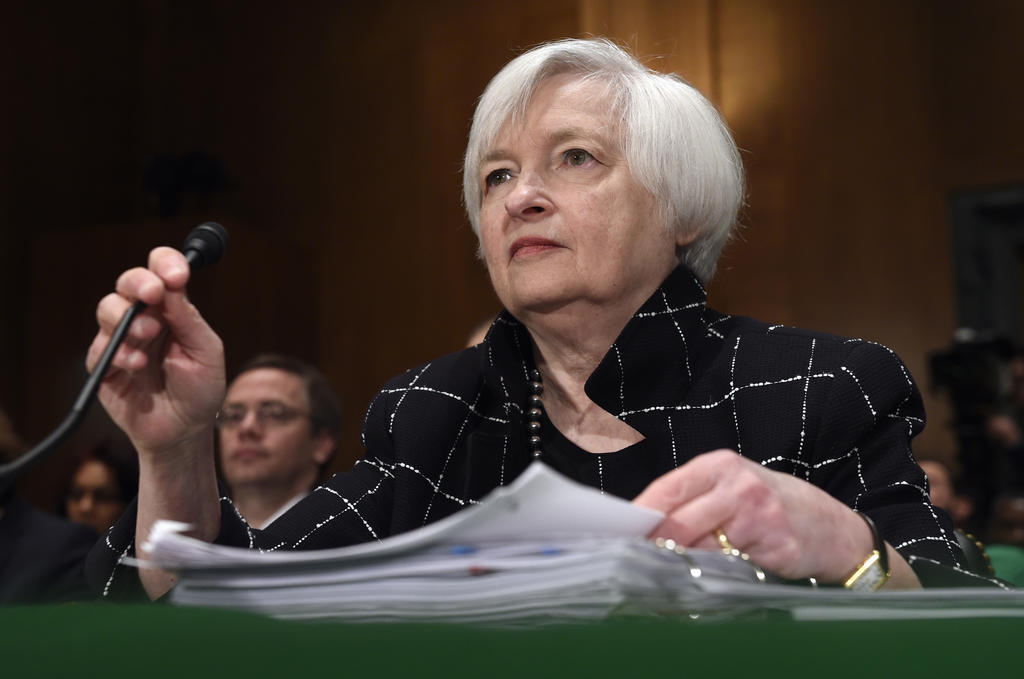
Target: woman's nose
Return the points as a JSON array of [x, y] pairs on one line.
[[529, 199]]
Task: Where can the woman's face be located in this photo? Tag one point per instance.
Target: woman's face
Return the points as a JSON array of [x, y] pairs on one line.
[[94, 499], [562, 220]]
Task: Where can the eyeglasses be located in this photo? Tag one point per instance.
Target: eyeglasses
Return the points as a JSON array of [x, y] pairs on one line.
[[270, 414]]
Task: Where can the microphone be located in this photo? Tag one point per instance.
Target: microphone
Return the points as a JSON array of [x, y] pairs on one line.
[[203, 247]]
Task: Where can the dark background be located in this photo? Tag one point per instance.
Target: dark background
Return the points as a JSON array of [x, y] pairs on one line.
[[327, 137]]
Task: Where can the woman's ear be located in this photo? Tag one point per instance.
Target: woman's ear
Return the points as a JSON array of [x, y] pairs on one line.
[[685, 236]]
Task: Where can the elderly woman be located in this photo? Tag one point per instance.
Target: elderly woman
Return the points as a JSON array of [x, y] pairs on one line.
[[602, 194]]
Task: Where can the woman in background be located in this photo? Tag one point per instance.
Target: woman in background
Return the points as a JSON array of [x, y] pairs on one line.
[[103, 483]]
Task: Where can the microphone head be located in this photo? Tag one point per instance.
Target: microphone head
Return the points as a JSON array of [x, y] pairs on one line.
[[205, 245]]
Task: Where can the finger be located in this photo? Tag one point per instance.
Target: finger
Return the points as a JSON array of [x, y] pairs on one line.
[[167, 269], [130, 356], [127, 357], [190, 330], [163, 286], [185, 322], [171, 266], [145, 327], [694, 523], [671, 490], [679, 486], [140, 284], [111, 310], [96, 349]]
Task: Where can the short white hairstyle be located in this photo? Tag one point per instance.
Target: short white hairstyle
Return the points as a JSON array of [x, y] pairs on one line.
[[676, 144]]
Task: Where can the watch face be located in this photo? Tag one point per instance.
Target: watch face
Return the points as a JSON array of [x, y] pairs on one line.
[[869, 576], [870, 580]]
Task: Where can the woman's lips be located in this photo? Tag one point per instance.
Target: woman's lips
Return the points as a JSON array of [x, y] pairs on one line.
[[531, 245]]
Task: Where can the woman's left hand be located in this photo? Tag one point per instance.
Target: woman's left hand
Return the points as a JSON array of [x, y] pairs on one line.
[[786, 525]]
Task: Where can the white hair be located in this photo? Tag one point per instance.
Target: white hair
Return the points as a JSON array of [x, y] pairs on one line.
[[676, 144]]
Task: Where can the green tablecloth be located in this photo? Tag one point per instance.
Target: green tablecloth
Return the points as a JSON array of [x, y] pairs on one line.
[[164, 641]]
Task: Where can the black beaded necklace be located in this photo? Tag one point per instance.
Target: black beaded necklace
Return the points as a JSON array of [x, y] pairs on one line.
[[535, 412]]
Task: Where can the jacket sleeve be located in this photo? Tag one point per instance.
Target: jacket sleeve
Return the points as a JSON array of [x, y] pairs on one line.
[[353, 506], [111, 578], [864, 457]]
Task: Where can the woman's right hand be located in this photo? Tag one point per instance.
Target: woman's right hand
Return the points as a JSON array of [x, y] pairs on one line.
[[166, 381]]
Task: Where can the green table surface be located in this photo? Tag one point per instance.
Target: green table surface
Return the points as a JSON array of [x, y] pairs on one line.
[[161, 640]]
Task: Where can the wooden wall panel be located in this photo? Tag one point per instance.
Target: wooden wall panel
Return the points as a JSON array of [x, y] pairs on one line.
[[67, 125], [852, 163], [341, 128], [978, 100], [398, 273], [844, 223], [676, 36], [855, 122]]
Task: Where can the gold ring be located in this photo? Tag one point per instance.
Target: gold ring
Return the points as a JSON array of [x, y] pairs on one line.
[[723, 541]]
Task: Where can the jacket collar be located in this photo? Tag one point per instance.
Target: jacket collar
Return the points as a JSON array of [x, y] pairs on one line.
[[651, 363]]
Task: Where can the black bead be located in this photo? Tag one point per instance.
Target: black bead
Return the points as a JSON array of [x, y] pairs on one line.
[[535, 412]]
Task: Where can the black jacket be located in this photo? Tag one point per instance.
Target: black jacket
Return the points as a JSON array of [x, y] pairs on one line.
[[836, 412], [42, 557]]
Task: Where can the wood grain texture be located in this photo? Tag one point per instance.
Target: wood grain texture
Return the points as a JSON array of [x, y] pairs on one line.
[[341, 128]]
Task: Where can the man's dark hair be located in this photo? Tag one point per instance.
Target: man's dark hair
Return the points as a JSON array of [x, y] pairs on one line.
[[324, 404]]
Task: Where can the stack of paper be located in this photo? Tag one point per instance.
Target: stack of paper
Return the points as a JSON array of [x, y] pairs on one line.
[[543, 549]]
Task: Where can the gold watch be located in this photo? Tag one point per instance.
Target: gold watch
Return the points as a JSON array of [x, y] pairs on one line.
[[874, 570]]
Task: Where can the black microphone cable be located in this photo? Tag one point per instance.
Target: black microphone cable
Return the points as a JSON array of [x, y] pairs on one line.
[[203, 247]]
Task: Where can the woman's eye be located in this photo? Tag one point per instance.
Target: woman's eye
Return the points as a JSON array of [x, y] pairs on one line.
[[577, 157], [497, 177]]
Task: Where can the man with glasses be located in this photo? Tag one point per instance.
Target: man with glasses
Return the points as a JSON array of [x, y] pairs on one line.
[[278, 429]]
